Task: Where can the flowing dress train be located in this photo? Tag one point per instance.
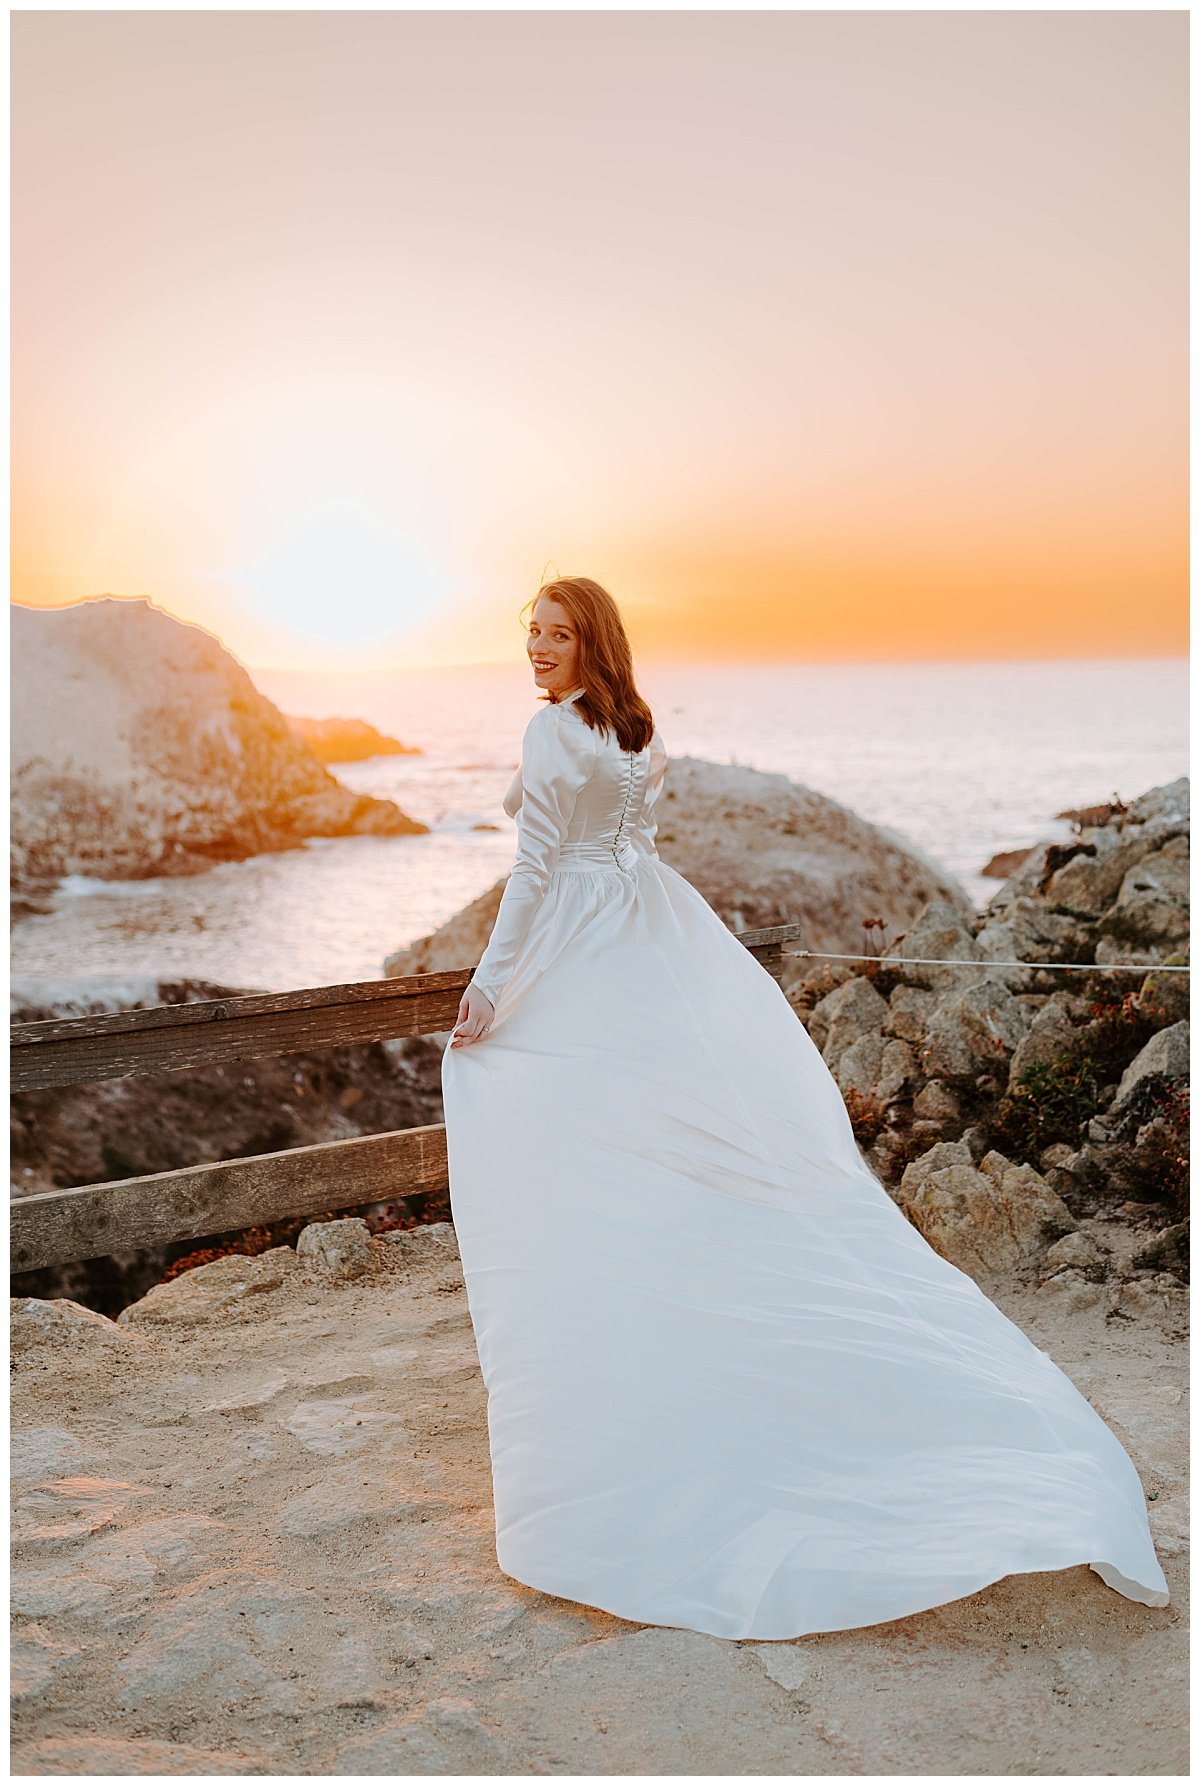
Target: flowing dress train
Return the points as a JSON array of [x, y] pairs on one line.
[[730, 1387]]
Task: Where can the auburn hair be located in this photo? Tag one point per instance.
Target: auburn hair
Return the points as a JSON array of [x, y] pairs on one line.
[[610, 701]]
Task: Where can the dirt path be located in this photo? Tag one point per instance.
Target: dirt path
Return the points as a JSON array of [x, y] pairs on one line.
[[253, 1535]]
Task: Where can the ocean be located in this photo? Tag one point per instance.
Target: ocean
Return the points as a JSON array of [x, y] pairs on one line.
[[965, 759]]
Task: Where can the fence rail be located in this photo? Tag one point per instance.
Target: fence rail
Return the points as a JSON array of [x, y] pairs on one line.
[[88, 1221]]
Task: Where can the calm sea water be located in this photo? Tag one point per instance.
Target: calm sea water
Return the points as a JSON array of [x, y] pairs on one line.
[[964, 759]]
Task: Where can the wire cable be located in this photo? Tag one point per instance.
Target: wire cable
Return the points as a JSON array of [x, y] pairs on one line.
[[1079, 967]]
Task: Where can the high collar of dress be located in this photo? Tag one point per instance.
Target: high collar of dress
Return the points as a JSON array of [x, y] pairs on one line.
[[565, 700]]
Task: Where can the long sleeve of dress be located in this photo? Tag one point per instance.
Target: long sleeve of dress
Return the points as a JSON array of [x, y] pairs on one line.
[[646, 828], [557, 756]]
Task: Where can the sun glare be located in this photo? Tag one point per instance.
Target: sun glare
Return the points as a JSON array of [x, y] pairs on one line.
[[339, 574]]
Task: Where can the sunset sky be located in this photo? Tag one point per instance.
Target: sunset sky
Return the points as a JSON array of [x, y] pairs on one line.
[[811, 335]]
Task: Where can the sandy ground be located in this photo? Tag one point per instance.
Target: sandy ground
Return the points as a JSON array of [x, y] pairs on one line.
[[253, 1534]]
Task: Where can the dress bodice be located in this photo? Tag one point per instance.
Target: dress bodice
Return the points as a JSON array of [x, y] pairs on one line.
[[613, 808], [583, 805]]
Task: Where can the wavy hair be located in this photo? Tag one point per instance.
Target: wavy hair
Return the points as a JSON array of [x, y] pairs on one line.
[[610, 701]]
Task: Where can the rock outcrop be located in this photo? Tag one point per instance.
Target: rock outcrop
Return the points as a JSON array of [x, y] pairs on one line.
[[763, 850], [348, 740], [140, 746], [1059, 1092], [989, 1219]]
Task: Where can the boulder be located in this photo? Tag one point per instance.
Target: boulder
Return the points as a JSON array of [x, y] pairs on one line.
[[1072, 1290], [1076, 1251], [1053, 1034], [1166, 1055], [941, 932], [140, 746], [851, 1011], [338, 1249], [1151, 913], [218, 1289], [762, 850], [973, 1030], [60, 1322], [986, 1219]]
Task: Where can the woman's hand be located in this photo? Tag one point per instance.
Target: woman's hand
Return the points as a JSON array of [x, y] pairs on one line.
[[475, 1013]]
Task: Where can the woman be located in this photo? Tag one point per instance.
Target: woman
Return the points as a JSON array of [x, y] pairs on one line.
[[730, 1387]]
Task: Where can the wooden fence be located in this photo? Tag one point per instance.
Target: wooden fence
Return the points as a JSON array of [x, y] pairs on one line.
[[53, 1227]]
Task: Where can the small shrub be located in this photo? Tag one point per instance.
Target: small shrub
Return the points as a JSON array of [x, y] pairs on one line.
[[1052, 1101]]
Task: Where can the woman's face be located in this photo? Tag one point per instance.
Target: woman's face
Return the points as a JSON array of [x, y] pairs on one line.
[[553, 647]]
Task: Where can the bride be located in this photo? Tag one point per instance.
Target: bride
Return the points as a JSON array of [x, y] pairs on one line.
[[730, 1386]]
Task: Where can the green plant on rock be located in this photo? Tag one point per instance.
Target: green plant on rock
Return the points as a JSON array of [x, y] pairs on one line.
[[1053, 1100]]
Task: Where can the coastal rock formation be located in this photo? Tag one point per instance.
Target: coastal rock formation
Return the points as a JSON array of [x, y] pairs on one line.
[[763, 850], [140, 746], [348, 740], [1081, 1074]]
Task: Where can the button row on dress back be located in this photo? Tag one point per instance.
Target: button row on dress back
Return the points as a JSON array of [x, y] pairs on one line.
[[618, 840]]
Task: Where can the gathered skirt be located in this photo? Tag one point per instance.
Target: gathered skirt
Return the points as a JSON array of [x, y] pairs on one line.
[[730, 1387]]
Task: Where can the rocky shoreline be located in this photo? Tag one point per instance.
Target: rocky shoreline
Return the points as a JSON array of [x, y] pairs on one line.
[[252, 1522], [1029, 1129], [141, 747]]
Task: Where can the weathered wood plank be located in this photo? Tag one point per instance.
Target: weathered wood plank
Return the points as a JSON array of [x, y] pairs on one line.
[[754, 940], [54, 1227], [165, 1038], [227, 1196]]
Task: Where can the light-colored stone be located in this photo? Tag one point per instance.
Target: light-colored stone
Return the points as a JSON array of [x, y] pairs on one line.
[[339, 1249], [220, 1288], [1072, 1291], [1075, 1249], [939, 1103], [61, 1323], [1166, 1053], [984, 1219], [1160, 1295], [941, 933], [851, 1011], [973, 1030], [908, 1012], [859, 1067]]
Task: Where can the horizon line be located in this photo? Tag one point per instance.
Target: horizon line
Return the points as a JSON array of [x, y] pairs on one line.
[[701, 663]]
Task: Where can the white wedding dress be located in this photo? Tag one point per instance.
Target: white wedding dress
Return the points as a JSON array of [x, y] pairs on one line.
[[730, 1387]]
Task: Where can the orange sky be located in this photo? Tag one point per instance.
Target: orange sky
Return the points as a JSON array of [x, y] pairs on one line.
[[812, 335]]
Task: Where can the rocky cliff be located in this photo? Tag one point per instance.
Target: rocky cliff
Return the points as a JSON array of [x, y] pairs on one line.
[[140, 746]]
